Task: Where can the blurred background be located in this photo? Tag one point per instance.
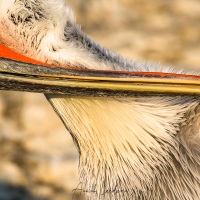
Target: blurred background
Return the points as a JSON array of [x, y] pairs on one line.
[[38, 160]]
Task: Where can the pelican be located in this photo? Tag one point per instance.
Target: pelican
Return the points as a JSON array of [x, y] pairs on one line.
[[135, 124]]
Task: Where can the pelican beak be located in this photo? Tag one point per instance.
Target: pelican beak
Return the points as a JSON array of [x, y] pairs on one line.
[[19, 73]]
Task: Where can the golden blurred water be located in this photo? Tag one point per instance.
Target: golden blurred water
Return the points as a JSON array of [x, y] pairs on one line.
[[38, 158]]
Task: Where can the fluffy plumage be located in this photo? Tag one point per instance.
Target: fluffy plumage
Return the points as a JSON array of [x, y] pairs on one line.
[[135, 148], [130, 148], [46, 31]]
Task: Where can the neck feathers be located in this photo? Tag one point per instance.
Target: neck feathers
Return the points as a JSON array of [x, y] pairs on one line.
[[123, 149], [47, 31]]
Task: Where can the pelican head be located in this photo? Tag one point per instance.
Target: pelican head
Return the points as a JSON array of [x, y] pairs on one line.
[[136, 129], [38, 26]]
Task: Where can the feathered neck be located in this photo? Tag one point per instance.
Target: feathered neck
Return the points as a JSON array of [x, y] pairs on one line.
[[47, 31], [129, 146]]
